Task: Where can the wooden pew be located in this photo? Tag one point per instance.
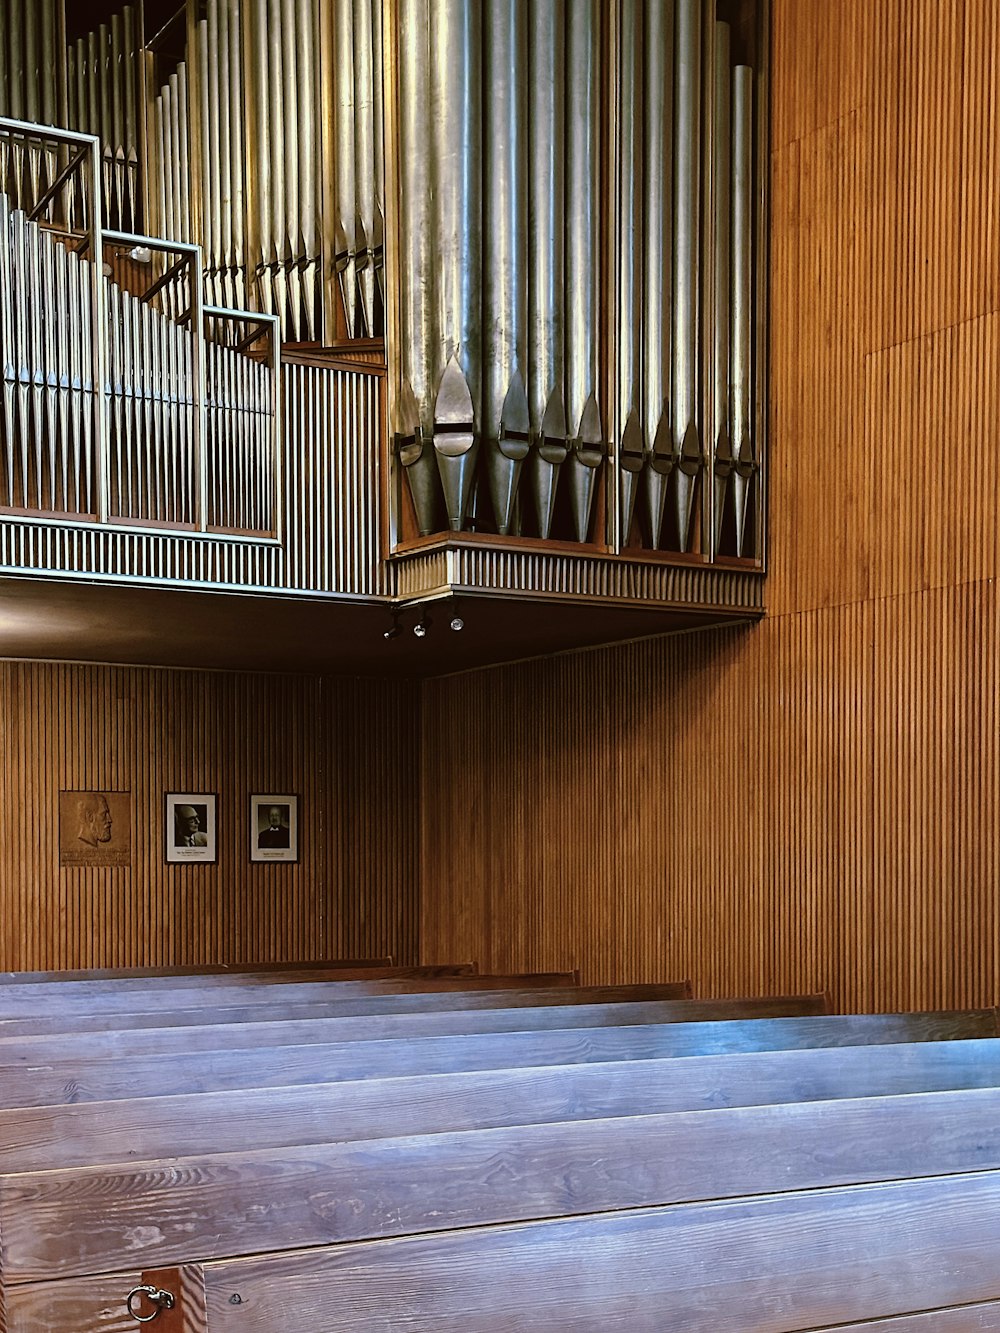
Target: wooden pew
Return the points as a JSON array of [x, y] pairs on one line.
[[125, 996], [414, 1002], [405, 1023], [319, 1000], [85, 1078], [92, 1133], [322, 965], [907, 1227]]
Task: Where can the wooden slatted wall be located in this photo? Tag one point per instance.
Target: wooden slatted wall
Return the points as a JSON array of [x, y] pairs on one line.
[[812, 803], [345, 747]]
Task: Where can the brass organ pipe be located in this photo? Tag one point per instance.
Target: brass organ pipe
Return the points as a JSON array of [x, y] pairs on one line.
[[31, 68], [116, 143], [132, 57], [225, 76], [687, 185], [741, 401], [630, 273], [657, 304], [546, 280], [582, 251], [277, 134], [261, 237], [17, 85], [721, 333], [504, 238]]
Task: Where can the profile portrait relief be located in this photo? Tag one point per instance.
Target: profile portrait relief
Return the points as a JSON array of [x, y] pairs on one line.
[[274, 828], [95, 828], [190, 826]]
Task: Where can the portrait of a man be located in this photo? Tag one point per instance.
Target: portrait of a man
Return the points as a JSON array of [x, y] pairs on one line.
[[274, 828], [95, 828], [276, 831], [189, 826]]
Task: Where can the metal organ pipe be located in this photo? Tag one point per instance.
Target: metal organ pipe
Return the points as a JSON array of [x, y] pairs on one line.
[[657, 302], [414, 404], [456, 165], [741, 409], [546, 258], [504, 420], [722, 237], [630, 251], [582, 260], [687, 188]]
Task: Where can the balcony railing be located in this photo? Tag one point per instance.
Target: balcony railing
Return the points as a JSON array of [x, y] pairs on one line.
[[126, 400]]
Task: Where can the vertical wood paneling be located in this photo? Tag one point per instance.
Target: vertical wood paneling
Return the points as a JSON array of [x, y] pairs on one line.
[[335, 743], [640, 812], [937, 779]]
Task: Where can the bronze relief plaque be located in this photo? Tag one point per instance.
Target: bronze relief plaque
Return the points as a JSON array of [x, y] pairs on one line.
[[95, 828]]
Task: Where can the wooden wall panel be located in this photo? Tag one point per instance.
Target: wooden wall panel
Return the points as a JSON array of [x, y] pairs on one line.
[[147, 732], [934, 432], [812, 90], [937, 739], [639, 812]]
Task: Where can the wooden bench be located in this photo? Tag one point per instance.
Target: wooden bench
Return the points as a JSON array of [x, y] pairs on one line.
[[321, 999], [124, 997], [322, 965], [93, 1133], [833, 1215], [110, 1078], [405, 1023], [571, 1007]]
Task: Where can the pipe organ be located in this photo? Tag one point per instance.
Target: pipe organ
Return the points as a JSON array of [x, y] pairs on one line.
[[541, 220]]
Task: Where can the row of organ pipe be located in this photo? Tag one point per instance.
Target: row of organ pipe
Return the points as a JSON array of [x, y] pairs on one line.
[[532, 345], [500, 417]]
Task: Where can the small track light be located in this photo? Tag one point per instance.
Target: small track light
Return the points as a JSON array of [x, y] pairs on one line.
[[422, 626], [456, 622], [395, 629]]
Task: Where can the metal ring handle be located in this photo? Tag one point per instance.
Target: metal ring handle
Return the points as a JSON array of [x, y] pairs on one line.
[[162, 1300]]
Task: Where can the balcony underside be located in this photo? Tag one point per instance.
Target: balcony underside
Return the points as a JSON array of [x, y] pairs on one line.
[[107, 622]]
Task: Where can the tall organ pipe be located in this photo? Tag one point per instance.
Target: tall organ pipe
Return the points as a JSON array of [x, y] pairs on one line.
[[741, 410], [546, 257], [630, 274], [687, 185], [378, 112], [456, 135], [364, 156], [308, 86], [346, 148], [504, 421], [656, 293], [582, 266], [722, 274], [415, 404], [292, 148]]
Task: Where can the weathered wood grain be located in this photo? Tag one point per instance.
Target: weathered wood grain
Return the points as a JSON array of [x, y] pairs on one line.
[[977, 1318], [126, 997], [89, 1220], [262, 971], [93, 1133], [276, 1009], [108, 1038], [765, 1265], [141, 1075]]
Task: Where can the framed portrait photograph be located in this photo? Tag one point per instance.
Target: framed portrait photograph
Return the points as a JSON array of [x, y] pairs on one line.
[[189, 826], [274, 828]]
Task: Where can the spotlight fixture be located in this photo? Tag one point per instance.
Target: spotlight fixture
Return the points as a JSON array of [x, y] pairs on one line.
[[422, 626], [395, 629], [456, 622]]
